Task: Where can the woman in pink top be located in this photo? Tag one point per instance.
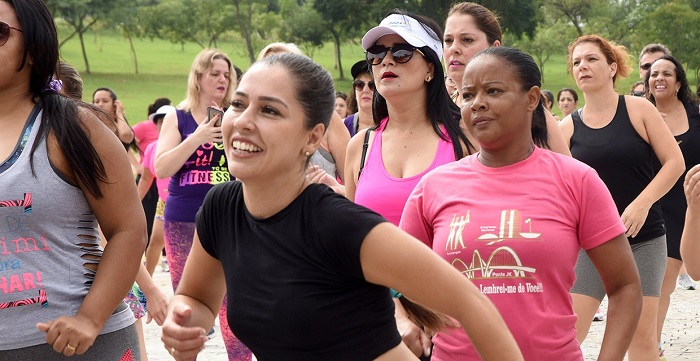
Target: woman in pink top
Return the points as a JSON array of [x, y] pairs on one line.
[[409, 137], [416, 127], [513, 217]]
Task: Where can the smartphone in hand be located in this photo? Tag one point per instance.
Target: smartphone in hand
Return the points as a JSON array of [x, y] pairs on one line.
[[211, 114]]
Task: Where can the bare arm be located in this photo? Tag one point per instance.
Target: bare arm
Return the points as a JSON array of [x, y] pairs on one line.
[[615, 263], [557, 142], [145, 182], [338, 138], [566, 128], [430, 281], [172, 152], [690, 241], [117, 212], [659, 136], [195, 305]]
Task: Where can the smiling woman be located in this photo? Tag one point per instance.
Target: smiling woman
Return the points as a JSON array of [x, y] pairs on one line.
[[306, 269]]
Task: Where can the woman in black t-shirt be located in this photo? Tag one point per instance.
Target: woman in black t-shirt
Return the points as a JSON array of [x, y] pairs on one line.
[[305, 270]]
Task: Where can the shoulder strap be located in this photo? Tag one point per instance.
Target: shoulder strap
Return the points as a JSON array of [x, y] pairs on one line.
[[576, 115], [364, 152], [356, 121]]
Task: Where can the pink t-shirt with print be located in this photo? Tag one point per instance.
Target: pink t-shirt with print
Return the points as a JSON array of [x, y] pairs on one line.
[[515, 231]]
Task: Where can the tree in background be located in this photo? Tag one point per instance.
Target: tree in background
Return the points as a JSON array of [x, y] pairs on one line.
[[676, 24], [578, 12], [81, 15], [549, 39], [302, 25]]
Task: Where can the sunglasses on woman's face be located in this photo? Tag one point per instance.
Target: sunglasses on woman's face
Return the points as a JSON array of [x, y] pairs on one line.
[[5, 30], [638, 93], [401, 53], [359, 85]]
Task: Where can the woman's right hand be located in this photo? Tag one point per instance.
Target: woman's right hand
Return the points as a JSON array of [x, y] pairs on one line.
[[207, 132], [182, 342]]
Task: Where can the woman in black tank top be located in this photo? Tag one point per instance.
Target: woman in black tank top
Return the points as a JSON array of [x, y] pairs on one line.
[[620, 136]]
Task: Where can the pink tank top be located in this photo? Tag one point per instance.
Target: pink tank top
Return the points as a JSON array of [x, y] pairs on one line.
[[387, 195]]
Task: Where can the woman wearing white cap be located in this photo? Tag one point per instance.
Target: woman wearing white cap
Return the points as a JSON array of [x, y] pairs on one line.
[[416, 123]]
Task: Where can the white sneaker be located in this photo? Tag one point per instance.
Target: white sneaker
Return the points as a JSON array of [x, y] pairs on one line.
[[686, 282], [599, 315]]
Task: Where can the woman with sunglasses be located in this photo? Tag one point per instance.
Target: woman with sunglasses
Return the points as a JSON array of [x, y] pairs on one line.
[[360, 100], [416, 124], [469, 29], [620, 136], [61, 172]]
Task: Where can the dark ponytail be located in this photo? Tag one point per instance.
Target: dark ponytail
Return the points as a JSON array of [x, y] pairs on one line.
[[61, 116]]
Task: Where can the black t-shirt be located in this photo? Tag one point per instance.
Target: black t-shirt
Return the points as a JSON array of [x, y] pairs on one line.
[[294, 281]]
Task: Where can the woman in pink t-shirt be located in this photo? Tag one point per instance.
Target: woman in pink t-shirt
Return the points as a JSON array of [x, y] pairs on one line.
[[513, 217]]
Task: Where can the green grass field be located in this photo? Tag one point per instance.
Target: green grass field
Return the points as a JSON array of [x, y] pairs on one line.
[[163, 68]]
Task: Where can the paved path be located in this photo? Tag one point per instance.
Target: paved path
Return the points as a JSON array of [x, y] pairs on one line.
[[681, 338]]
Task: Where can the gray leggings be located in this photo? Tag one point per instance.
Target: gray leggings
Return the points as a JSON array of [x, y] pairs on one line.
[[108, 347], [650, 257]]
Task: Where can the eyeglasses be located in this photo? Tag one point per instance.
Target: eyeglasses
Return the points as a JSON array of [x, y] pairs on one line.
[[5, 32], [402, 53], [359, 85], [645, 66], [638, 93]]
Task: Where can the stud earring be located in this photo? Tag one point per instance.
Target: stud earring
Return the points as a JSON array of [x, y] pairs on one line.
[[428, 78], [307, 154]]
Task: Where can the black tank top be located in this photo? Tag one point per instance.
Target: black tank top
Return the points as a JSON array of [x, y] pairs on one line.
[[624, 162], [673, 204]]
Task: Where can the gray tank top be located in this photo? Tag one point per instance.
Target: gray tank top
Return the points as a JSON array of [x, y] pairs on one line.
[[47, 235], [324, 159]]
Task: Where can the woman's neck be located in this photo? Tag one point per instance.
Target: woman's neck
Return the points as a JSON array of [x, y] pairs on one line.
[[264, 199], [600, 100], [408, 115], [668, 105], [506, 156]]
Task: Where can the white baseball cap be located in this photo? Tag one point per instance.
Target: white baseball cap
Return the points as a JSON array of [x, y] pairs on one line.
[[165, 109], [409, 29]]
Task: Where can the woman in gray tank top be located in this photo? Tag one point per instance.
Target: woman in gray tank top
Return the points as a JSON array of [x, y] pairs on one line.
[[61, 172]]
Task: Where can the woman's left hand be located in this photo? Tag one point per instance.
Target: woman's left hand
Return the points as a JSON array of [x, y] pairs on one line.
[[70, 335], [634, 217]]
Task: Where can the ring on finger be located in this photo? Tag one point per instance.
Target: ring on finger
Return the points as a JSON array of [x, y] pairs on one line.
[[70, 347], [172, 351]]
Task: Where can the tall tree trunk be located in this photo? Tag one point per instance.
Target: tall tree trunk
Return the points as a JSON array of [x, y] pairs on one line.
[[82, 46], [336, 41], [133, 52]]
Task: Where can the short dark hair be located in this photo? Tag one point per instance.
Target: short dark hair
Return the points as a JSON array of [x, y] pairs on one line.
[[654, 48]]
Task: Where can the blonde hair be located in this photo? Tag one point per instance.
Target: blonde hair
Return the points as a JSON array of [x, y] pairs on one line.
[[202, 63], [276, 48], [613, 53]]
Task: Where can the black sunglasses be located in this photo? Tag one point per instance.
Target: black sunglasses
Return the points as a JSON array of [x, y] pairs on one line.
[[359, 85], [645, 66], [402, 53], [5, 32], [638, 93]]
